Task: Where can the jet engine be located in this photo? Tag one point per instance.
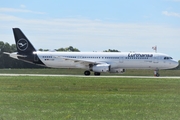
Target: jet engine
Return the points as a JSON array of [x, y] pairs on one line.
[[101, 68]]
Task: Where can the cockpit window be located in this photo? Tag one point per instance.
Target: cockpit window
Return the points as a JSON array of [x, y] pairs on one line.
[[167, 58]]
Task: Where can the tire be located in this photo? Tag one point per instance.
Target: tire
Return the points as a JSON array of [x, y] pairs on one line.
[[157, 74], [87, 72], [97, 73]]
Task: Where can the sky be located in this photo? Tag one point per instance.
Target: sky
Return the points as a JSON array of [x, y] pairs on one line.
[[95, 25]]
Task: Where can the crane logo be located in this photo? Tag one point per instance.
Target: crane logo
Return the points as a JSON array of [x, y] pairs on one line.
[[22, 44]]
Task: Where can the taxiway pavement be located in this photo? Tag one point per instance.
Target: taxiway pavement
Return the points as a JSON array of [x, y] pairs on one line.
[[46, 75]]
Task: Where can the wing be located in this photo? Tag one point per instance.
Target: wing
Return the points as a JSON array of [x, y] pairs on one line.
[[85, 62]]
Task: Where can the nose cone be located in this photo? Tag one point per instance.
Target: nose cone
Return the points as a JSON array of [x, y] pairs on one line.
[[174, 64]]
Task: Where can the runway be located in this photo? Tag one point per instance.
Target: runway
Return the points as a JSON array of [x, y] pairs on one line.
[[53, 75]]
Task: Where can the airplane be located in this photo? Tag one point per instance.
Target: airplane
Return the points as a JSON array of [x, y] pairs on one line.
[[97, 62]]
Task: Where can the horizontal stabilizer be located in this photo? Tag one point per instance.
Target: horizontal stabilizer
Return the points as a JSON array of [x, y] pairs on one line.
[[14, 55]]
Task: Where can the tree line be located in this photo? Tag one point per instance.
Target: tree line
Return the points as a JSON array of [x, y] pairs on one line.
[[8, 62], [67, 49]]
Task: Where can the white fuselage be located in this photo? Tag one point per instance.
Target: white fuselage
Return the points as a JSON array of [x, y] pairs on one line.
[[117, 60]]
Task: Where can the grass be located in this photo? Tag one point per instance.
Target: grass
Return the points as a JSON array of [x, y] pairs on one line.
[[81, 72], [84, 98]]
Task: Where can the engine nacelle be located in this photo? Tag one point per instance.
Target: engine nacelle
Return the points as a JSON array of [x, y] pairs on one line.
[[101, 68], [117, 70]]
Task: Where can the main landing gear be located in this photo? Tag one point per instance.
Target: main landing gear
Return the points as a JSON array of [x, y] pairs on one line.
[[87, 72], [97, 73]]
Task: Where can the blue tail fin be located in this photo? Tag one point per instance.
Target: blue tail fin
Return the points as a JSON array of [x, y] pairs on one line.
[[23, 45]]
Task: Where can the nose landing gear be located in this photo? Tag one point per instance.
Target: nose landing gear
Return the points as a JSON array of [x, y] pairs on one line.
[[156, 73]]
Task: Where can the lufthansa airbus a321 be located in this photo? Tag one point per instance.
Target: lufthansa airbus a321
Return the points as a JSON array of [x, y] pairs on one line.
[[96, 62]]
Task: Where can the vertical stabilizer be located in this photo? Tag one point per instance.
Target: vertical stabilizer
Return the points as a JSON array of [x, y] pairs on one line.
[[23, 45]]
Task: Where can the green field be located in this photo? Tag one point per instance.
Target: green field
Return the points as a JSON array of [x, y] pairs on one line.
[[83, 98]]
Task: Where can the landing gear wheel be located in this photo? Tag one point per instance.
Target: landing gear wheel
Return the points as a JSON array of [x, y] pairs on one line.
[[157, 74], [97, 73], [87, 72]]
